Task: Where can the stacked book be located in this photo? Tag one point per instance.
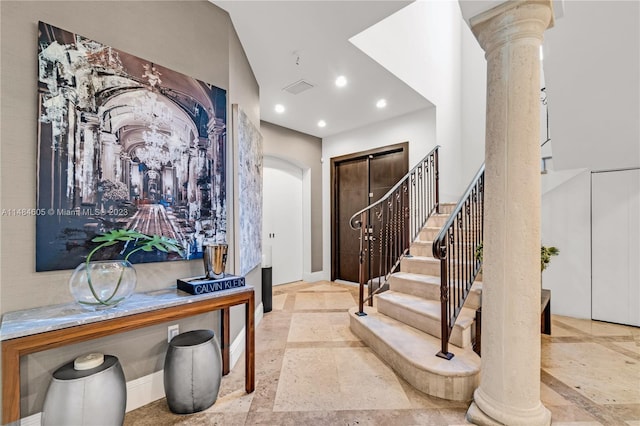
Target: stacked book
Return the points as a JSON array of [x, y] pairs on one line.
[[202, 285]]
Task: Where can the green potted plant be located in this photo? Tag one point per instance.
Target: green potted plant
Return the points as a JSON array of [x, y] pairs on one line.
[[545, 255], [105, 283]]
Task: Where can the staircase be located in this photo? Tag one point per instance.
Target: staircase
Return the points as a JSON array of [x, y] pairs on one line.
[[404, 328], [424, 286]]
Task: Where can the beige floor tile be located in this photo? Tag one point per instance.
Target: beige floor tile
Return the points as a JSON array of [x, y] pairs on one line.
[[602, 385], [632, 346], [278, 302], [550, 397], [454, 417], [586, 354], [319, 300], [237, 401], [557, 330], [327, 286], [602, 375], [310, 369], [337, 379], [389, 418], [598, 328], [568, 413], [320, 327]]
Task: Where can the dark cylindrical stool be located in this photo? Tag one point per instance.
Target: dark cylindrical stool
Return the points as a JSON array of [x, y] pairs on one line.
[[90, 390], [192, 371], [267, 289]]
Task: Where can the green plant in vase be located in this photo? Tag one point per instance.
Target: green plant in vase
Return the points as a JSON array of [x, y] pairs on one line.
[[545, 255], [105, 283]]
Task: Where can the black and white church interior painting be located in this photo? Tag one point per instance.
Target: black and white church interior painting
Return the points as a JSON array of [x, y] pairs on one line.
[[124, 143]]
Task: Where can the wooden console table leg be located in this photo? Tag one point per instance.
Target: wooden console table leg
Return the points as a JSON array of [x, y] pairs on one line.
[[10, 383], [225, 324], [250, 349]]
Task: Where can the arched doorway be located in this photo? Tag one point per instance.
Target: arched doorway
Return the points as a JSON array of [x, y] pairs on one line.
[[283, 217]]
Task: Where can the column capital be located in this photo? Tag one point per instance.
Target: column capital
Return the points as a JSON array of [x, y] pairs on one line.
[[512, 20]]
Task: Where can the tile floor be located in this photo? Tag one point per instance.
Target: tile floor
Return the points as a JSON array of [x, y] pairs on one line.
[[310, 369]]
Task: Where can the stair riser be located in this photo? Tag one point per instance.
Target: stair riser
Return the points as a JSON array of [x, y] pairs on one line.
[[415, 288], [431, 233], [437, 221], [425, 248], [459, 337], [474, 300], [424, 267], [421, 250], [447, 208], [429, 291], [453, 388]]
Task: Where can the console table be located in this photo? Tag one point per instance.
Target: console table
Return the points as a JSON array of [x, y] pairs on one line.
[[34, 330]]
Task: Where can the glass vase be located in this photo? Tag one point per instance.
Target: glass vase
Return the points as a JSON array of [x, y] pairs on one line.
[[102, 284]]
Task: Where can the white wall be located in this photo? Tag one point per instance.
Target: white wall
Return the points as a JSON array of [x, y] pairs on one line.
[[474, 105], [566, 224], [209, 51], [592, 63], [422, 45], [418, 128], [305, 151]]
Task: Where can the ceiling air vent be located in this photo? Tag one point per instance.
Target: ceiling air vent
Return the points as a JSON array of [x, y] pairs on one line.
[[298, 87]]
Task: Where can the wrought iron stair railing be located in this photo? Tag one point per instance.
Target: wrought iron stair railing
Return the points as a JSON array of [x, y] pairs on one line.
[[456, 246], [388, 226]]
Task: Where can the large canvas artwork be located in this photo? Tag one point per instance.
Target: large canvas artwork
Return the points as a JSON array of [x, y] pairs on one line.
[[249, 148], [124, 143]]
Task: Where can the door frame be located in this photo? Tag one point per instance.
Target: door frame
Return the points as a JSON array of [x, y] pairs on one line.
[[335, 162]]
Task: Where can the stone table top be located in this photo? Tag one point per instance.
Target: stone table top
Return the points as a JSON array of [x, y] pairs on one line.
[[55, 317]]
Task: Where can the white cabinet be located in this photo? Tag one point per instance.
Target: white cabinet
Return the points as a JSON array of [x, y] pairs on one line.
[[615, 215]]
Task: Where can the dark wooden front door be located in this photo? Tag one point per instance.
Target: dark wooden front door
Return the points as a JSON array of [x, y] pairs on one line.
[[359, 180]]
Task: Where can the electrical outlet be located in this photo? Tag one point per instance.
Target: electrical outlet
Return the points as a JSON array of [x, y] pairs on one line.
[[172, 331]]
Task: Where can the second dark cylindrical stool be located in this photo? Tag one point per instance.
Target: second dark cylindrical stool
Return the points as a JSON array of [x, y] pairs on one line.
[[192, 371]]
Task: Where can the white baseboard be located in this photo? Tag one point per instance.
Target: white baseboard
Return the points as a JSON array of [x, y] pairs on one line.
[[237, 346], [32, 420], [145, 390], [312, 277], [347, 282], [149, 388], [259, 314]]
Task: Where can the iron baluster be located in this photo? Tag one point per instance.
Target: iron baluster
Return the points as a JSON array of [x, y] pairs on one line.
[[413, 194], [363, 227], [455, 246]]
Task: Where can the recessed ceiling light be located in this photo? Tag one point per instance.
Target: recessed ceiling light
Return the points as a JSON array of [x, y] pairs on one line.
[[322, 123], [381, 103], [279, 108], [341, 81]]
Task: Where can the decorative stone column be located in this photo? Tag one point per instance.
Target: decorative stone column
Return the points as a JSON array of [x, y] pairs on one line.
[[509, 391]]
